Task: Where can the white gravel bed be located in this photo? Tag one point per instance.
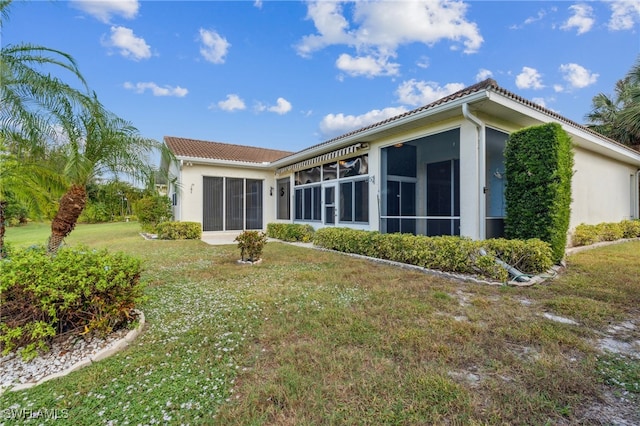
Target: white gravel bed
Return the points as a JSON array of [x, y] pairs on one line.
[[63, 356]]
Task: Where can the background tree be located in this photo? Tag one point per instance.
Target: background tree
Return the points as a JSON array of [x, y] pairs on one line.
[[618, 116]]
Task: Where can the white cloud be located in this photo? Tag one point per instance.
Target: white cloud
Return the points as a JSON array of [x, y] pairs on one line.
[[337, 124], [558, 88], [578, 76], [214, 47], [129, 45], [414, 92], [156, 90], [232, 103], [624, 14], [483, 74], [378, 28], [529, 78], [530, 20], [582, 18], [282, 106], [104, 10], [368, 66], [423, 62], [258, 4]]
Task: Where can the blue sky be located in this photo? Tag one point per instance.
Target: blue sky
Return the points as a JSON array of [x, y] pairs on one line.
[[290, 74]]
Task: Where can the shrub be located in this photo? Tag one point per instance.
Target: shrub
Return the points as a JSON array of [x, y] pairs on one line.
[[77, 291], [251, 244], [609, 231], [292, 232], [179, 230], [152, 210], [539, 168], [630, 228], [585, 235], [444, 253], [94, 212]]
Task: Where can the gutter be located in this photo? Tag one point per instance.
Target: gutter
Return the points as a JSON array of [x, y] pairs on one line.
[[636, 207], [482, 166], [190, 161]]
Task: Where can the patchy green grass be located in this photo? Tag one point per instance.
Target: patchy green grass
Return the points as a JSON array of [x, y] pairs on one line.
[[314, 337]]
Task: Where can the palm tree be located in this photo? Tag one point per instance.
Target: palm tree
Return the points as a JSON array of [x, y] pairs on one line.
[[29, 99], [96, 144], [618, 116], [630, 115], [28, 180]]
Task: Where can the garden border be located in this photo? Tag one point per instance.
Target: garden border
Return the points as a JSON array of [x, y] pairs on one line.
[[106, 352]]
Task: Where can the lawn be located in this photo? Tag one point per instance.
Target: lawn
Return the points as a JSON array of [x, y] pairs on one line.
[[315, 337]]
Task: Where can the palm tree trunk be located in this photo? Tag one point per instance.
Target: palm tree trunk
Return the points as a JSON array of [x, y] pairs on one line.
[[71, 205], [3, 204]]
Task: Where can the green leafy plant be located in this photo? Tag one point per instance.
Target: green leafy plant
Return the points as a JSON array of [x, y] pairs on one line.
[[251, 244], [443, 253], [77, 291], [152, 210], [179, 230], [539, 168], [292, 232], [585, 235]]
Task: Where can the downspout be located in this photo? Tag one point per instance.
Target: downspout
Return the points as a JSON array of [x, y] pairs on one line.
[[636, 208], [482, 174]]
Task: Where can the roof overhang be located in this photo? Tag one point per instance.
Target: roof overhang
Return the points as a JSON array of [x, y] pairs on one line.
[[185, 161], [402, 123], [516, 112]]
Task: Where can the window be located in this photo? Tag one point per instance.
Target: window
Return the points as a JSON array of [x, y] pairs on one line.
[[284, 199], [308, 205], [354, 201], [174, 199], [232, 204], [306, 176], [354, 166]]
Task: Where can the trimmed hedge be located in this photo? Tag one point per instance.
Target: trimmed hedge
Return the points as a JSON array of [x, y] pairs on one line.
[[292, 232], [585, 235], [77, 291], [179, 231], [444, 253], [539, 168]]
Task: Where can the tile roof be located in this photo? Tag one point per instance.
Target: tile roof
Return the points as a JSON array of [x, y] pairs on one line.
[[182, 147], [216, 150], [488, 84]]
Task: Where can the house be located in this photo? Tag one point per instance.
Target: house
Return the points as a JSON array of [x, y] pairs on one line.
[[435, 170]]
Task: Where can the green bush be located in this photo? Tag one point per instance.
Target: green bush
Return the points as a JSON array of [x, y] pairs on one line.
[[630, 228], [179, 230], [585, 235], [610, 231], [539, 168], [77, 291], [152, 210], [95, 212], [251, 244], [444, 253], [292, 232]]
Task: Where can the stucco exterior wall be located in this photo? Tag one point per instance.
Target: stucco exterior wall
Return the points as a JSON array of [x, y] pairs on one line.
[[190, 196], [602, 189]]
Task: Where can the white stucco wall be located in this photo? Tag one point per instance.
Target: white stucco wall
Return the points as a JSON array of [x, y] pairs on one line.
[[190, 196], [601, 189]]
